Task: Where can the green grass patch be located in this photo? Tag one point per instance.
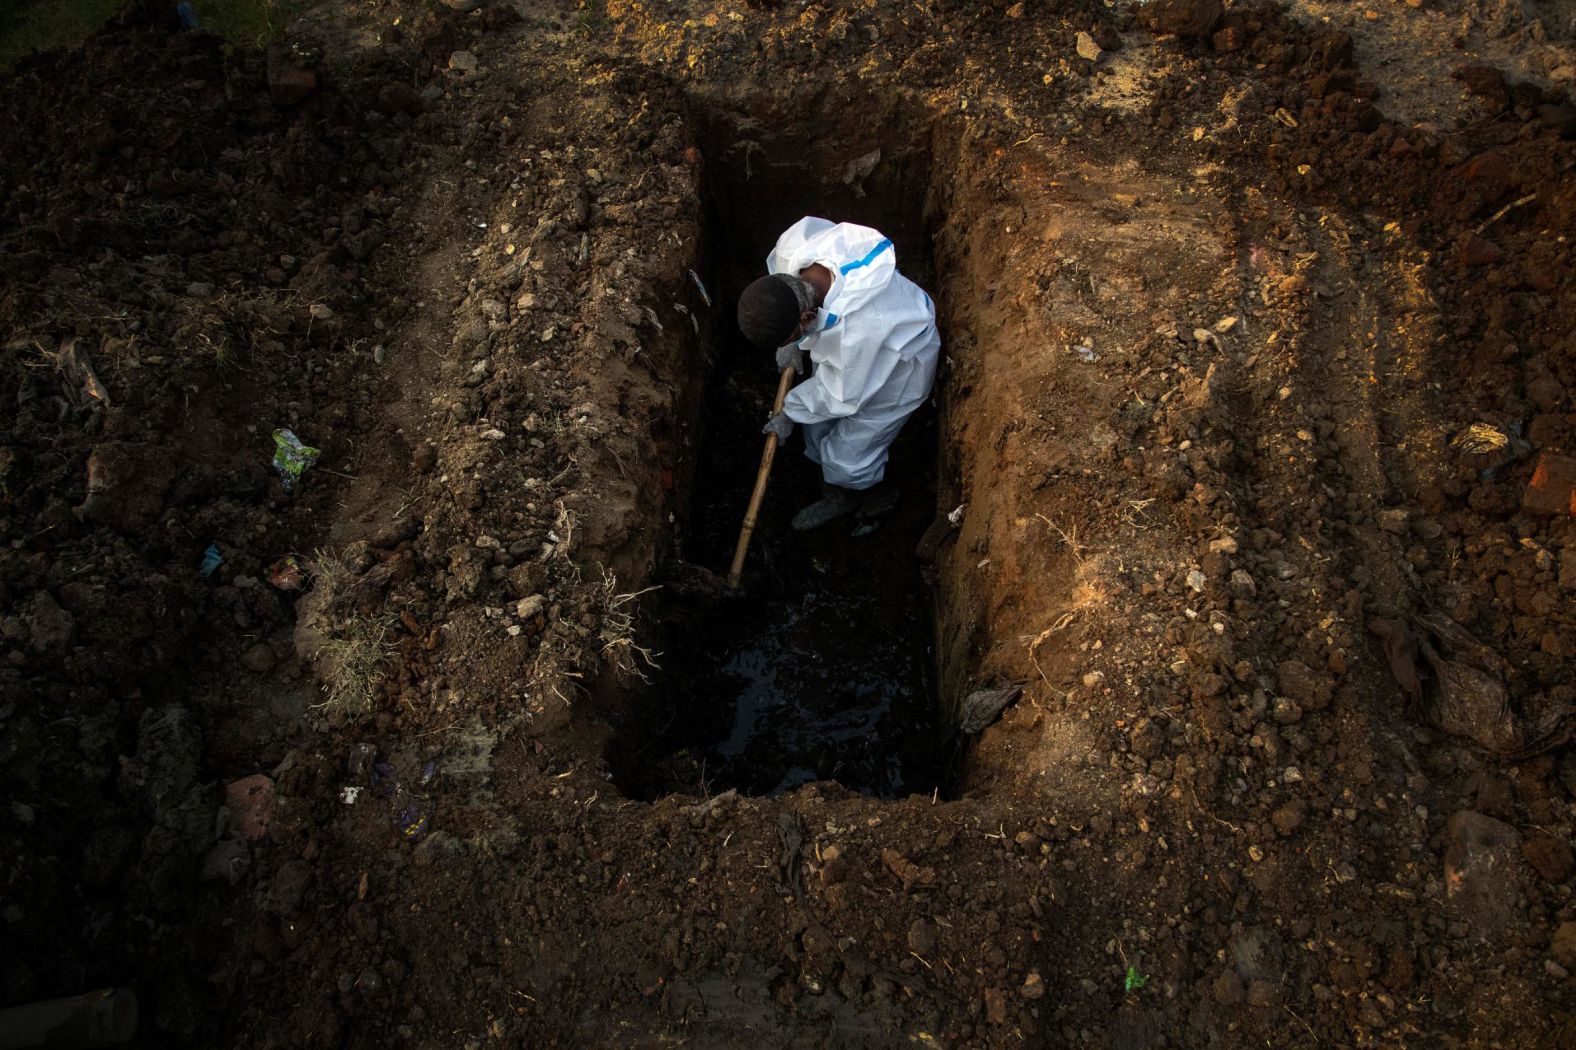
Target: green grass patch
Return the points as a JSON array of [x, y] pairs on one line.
[[40, 25], [244, 23]]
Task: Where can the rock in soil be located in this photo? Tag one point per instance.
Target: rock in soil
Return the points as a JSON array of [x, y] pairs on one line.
[[1185, 18], [1483, 867]]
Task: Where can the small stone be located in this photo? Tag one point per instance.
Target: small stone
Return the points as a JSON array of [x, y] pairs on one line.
[[1549, 856], [250, 801], [1555, 970], [1288, 818], [529, 608], [1299, 682], [1033, 986], [1263, 993], [199, 289], [1228, 39], [424, 458], [1016, 10], [1285, 711], [1094, 679], [399, 97], [1482, 871], [1225, 324], [50, 628], [1480, 251], [1189, 18], [1147, 739], [227, 862], [287, 84], [1227, 988], [259, 659], [912, 875], [1242, 585], [995, 999], [1087, 48], [1196, 580], [463, 62], [1224, 545], [321, 312], [1393, 521], [1563, 945]]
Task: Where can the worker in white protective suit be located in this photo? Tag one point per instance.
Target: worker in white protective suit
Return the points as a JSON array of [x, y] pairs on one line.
[[833, 291]]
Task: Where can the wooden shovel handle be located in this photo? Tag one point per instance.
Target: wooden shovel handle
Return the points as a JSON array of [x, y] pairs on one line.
[[768, 454]]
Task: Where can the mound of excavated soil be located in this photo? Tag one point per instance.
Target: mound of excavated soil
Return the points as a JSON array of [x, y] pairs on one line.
[[1251, 467]]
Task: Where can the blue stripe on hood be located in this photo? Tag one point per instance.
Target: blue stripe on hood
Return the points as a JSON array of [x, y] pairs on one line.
[[867, 260]]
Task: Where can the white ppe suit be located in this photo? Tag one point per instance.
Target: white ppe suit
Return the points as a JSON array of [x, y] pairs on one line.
[[874, 347]]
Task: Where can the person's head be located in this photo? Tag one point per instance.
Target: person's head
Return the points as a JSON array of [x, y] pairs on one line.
[[774, 310]]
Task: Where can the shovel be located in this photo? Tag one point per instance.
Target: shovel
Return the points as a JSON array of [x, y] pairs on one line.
[[768, 454]]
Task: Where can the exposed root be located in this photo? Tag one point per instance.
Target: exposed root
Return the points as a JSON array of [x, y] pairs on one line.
[[619, 648]]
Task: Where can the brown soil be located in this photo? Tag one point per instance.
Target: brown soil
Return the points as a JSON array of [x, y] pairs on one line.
[[1217, 316]]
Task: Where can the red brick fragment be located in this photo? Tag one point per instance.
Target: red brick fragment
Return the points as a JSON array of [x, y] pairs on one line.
[[1552, 489], [251, 804]]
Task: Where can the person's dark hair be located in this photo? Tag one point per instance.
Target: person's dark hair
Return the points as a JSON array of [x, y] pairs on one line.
[[768, 312]]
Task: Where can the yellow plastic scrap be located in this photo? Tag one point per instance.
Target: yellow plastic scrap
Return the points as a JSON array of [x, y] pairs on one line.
[[1480, 438]]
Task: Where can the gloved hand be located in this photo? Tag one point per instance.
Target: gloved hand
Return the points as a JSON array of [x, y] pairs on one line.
[[780, 425], [790, 356]]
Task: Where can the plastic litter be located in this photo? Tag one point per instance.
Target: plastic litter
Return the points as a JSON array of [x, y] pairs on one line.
[[1134, 980], [74, 362], [361, 758], [981, 707], [705, 296], [211, 560], [286, 574], [291, 457], [857, 170], [383, 780], [1085, 352], [412, 810], [99, 1018], [1480, 438], [1455, 682], [413, 816]]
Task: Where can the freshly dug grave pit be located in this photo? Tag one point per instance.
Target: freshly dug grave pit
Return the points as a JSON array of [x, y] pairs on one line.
[[822, 667]]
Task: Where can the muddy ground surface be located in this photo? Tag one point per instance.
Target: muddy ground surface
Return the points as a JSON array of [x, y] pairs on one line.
[[1249, 447]]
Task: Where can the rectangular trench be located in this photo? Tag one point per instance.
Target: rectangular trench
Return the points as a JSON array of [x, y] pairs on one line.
[[824, 668]]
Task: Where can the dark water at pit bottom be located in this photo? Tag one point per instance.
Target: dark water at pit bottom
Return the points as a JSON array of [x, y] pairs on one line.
[[822, 670]]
